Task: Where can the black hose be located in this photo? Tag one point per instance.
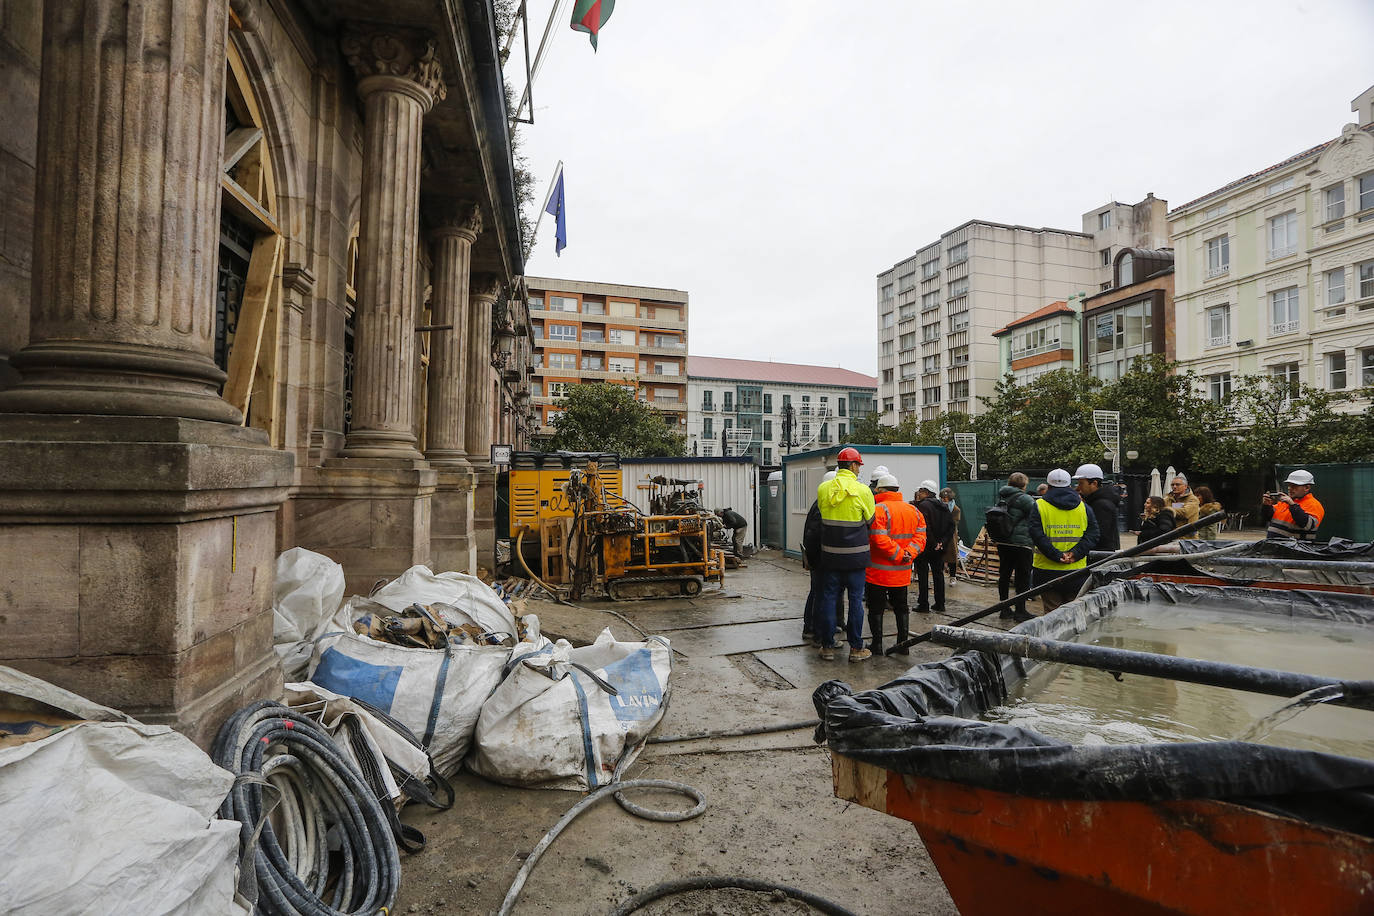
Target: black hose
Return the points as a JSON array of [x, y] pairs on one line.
[[719, 882], [322, 793]]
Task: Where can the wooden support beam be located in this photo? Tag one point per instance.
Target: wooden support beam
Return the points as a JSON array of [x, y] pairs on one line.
[[263, 267]]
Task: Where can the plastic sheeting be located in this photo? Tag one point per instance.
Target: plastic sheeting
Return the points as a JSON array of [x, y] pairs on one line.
[[1192, 560], [921, 724], [109, 816]]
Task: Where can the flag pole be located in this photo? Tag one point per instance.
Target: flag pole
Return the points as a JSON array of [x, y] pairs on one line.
[[538, 61], [534, 234]]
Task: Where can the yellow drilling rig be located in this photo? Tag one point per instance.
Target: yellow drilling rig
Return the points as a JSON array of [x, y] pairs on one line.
[[568, 521]]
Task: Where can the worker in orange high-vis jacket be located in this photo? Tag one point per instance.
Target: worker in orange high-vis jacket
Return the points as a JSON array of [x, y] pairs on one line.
[[1296, 514], [896, 536]]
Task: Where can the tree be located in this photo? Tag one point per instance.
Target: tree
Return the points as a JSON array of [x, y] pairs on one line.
[[607, 418], [1268, 420], [1164, 417]]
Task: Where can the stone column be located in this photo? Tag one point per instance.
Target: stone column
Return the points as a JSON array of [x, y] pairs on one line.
[[137, 517], [479, 370], [399, 81], [131, 134], [448, 389]]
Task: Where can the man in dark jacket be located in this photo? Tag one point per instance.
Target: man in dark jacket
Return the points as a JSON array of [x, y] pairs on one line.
[[811, 560], [930, 564], [1104, 500], [1014, 555], [1063, 532]]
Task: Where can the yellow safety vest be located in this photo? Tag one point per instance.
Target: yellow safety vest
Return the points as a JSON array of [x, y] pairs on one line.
[[1065, 527]]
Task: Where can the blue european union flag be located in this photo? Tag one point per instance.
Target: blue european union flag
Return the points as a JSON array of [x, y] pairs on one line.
[[555, 208]]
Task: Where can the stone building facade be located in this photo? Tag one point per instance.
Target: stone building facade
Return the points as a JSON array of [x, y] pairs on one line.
[[262, 288], [1276, 270]]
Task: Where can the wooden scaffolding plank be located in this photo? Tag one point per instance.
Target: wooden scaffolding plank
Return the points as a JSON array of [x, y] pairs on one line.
[[265, 399], [257, 294]]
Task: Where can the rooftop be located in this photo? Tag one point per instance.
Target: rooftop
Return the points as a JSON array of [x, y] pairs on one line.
[[1054, 308], [753, 370], [656, 293]]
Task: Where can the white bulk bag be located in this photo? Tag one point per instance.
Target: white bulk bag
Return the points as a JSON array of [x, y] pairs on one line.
[[552, 725], [436, 693], [309, 589], [110, 816]]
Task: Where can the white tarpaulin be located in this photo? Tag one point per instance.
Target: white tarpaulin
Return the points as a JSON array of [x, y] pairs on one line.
[[309, 589], [108, 816]]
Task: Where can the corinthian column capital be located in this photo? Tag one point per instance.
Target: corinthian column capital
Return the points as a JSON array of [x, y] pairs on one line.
[[462, 218], [401, 54]]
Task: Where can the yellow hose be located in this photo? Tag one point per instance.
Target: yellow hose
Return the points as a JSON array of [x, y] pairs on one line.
[[519, 539]]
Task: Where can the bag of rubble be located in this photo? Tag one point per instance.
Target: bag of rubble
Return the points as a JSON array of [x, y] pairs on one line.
[[309, 589], [103, 814], [569, 718], [426, 649]]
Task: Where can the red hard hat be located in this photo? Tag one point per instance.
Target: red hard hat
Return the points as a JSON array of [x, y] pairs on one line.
[[850, 454]]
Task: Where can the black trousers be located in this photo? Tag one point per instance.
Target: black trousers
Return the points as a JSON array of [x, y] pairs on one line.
[[879, 598], [1013, 561], [1067, 583], [931, 565]]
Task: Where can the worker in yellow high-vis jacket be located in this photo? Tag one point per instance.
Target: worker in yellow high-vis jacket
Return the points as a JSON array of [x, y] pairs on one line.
[[1063, 530]]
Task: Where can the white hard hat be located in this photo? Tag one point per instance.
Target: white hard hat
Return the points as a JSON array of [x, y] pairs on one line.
[[829, 475], [1300, 477], [1058, 478], [1088, 472], [887, 480], [879, 471], [930, 486]]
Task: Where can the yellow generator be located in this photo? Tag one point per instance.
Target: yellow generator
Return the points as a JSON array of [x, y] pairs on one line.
[[569, 522]]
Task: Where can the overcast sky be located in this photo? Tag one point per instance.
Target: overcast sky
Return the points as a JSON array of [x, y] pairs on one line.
[[771, 157]]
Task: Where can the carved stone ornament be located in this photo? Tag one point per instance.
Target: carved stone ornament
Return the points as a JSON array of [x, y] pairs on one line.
[[404, 53], [463, 216]]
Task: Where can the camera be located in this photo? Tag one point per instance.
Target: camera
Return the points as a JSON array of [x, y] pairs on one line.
[[1275, 497]]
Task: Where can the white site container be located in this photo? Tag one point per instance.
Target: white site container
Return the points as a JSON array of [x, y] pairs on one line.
[[727, 483], [802, 473]]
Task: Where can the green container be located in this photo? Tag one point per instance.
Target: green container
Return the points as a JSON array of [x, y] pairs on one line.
[[975, 498], [1346, 492]]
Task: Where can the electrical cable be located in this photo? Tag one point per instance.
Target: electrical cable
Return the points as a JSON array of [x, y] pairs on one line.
[[325, 803], [718, 882]]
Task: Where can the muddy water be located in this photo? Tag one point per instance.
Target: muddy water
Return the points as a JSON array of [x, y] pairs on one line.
[[1087, 706]]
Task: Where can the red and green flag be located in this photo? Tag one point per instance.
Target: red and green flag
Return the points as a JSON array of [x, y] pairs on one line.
[[590, 15]]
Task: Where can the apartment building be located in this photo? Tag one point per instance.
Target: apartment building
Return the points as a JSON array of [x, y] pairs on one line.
[[938, 310], [1275, 271], [767, 409], [608, 332], [1133, 317], [1041, 342]]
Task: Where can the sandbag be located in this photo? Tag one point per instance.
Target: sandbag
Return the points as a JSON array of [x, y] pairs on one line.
[[565, 718], [109, 816], [309, 589]]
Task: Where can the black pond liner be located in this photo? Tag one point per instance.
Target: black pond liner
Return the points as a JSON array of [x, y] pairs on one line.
[[923, 724], [1184, 563]]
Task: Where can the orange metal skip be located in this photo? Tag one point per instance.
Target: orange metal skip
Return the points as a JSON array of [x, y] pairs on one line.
[[1000, 853]]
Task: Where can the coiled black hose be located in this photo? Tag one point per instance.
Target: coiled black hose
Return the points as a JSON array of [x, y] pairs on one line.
[[717, 882], [324, 802]]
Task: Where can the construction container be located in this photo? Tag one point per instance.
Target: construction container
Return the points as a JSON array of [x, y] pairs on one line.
[[771, 507], [802, 473], [726, 483], [536, 482]]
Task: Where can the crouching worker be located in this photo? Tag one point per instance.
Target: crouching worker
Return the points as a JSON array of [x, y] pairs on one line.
[[1063, 531], [896, 536]]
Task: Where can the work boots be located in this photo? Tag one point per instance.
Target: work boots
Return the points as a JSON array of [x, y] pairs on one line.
[[875, 627], [903, 617]]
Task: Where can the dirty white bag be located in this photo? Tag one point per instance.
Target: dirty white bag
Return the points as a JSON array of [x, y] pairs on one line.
[[436, 693], [109, 816], [554, 724], [309, 589]]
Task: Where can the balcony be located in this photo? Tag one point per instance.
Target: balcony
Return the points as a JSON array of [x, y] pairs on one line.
[[668, 404], [1284, 327], [611, 319], [1213, 272], [1223, 340], [1283, 252]]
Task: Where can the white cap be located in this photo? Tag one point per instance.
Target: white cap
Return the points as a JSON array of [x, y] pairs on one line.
[[829, 475], [1300, 477], [930, 486], [1088, 472], [887, 480], [1059, 478], [879, 471]]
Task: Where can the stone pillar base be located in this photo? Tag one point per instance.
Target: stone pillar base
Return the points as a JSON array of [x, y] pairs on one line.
[[484, 515], [137, 562], [371, 515], [451, 529]]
